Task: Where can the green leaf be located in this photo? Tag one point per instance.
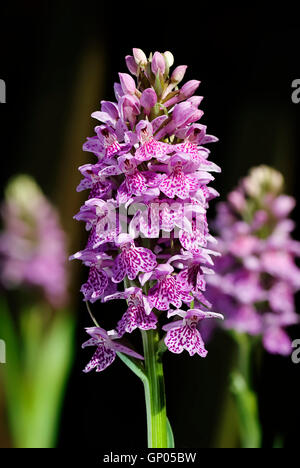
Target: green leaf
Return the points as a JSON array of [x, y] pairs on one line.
[[10, 372], [35, 374], [42, 402], [134, 364]]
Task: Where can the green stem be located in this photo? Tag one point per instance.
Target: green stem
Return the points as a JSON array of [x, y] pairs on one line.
[[155, 392], [245, 397]]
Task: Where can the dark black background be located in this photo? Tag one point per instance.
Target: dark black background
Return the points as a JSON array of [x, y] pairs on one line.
[[246, 59]]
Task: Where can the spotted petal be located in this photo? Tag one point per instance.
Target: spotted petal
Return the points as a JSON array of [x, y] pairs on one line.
[[102, 358], [136, 317], [186, 337], [152, 149], [95, 286]]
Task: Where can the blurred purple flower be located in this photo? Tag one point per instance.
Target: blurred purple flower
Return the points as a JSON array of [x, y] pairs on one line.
[[32, 243], [257, 277]]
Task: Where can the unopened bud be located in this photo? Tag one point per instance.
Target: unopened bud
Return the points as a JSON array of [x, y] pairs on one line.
[[189, 88], [139, 57], [169, 58], [131, 64], [148, 99], [127, 83], [158, 63], [178, 74]]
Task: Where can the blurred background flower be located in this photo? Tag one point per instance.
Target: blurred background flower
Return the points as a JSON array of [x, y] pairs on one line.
[[32, 244], [34, 320], [256, 280]]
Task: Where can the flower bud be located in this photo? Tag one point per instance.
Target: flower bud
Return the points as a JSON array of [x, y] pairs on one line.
[[127, 83], [263, 179], [237, 200], [148, 99], [185, 113], [131, 64], [195, 100], [139, 57], [130, 107], [169, 58], [189, 88], [283, 205], [178, 74], [158, 64], [118, 91]]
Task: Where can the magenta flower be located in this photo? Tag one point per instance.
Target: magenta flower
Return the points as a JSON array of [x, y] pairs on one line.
[[184, 334], [139, 312], [107, 348], [131, 260], [257, 277], [149, 147]]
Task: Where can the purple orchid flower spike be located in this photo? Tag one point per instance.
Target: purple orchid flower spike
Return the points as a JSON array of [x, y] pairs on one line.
[[255, 281], [107, 349], [149, 238]]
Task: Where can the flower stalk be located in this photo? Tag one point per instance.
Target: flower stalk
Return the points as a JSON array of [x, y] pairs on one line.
[[245, 397], [155, 392]]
